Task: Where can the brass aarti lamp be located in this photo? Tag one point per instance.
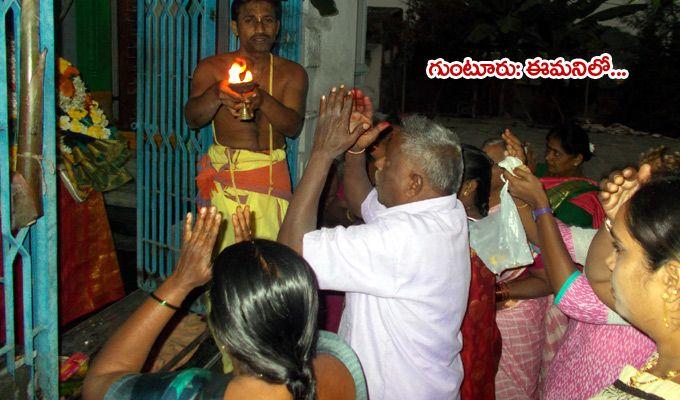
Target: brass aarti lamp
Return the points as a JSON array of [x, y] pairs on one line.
[[241, 81]]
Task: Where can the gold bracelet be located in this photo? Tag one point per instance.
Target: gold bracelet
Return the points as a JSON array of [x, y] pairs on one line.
[[164, 302], [524, 206], [356, 152]]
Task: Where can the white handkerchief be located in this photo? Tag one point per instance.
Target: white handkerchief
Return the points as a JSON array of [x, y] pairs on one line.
[[509, 164]]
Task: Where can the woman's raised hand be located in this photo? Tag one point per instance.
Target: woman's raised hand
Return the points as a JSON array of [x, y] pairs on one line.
[[527, 187], [620, 186], [194, 266], [514, 146], [241, 221]]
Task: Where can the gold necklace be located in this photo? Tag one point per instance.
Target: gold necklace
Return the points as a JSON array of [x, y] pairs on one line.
[[635, 379]]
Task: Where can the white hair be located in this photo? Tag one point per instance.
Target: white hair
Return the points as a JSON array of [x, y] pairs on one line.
[[494, 142], [436, 150]]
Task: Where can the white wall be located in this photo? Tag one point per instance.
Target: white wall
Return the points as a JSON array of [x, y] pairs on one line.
[[361, 68], [388, 3], [372, 78], [328, 54]]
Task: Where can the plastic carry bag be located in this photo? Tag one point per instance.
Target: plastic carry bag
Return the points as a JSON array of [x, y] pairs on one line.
[[499, 239]]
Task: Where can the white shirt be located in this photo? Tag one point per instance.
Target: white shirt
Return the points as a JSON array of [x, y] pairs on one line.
[[406, 272]]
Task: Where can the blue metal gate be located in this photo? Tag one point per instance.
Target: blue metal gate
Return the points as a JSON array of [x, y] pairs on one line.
[[29, 252], [173, 35]]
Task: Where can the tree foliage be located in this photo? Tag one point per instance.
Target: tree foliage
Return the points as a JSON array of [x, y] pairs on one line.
[[517, 29], [652, 93]]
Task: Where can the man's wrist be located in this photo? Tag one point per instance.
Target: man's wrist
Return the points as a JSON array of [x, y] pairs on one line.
[[355, 159], [216, 90], [264, 98], [354, 150], [321, 156], [216, 100]]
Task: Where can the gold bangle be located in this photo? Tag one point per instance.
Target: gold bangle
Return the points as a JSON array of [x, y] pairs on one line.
[[502, 292], [164, 302], [524, 206]]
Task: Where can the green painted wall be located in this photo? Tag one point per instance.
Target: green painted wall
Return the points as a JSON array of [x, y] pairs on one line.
[[93, 43]]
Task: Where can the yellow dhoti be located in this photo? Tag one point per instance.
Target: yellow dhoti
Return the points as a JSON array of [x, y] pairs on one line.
[[230, 178]]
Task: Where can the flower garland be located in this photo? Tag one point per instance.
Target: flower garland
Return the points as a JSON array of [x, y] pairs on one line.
[[82, 114], [91, 155]]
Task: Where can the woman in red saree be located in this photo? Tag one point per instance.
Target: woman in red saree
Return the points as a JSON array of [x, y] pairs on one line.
[[481, 338], [573, 197]]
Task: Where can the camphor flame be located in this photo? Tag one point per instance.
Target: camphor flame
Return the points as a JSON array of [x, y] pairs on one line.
[[237, 69]]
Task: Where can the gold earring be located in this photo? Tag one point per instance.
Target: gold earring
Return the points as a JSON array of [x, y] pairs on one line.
[[670, 298], [666, 320]]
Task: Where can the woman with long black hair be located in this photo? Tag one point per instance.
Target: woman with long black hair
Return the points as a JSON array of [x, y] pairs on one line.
[[263, 313], [481, 338]]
